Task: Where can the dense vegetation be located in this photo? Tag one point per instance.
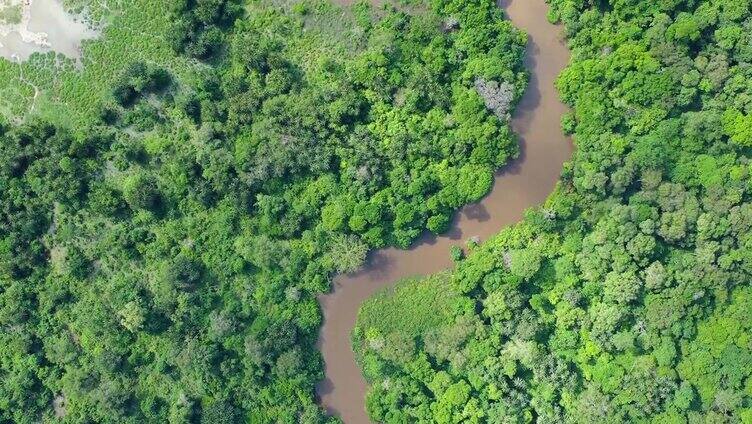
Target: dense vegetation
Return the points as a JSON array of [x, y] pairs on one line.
[[626, 297], [199, 26], [162, 241]]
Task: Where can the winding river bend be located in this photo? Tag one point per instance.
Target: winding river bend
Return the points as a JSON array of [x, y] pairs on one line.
[[523, 183]]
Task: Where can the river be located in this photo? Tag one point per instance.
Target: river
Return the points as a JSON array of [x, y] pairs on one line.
[[523, 183]]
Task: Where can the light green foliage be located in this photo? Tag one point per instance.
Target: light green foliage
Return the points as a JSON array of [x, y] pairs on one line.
[[348, 253], [719, 359], [738, 127], [626, 297], [684, 28]]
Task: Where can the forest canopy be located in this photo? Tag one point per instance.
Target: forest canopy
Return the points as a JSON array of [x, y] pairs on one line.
[[626, 296], [170, 210]]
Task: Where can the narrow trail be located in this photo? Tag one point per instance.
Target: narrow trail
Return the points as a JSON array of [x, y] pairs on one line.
[[523, 183]]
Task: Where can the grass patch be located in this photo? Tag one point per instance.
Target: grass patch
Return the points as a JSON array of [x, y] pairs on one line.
[[412, 307], [392, 323]]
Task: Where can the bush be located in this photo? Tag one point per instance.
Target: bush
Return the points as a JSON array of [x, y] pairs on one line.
[[140, 191]]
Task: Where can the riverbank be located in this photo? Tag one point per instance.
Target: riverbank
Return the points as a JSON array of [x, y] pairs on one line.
[[523, 183]]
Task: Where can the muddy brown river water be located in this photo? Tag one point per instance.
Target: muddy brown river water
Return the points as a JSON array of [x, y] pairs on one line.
[[523, 183]]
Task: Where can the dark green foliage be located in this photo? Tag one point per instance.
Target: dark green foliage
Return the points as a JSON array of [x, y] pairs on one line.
[[140, 191], [138, 80], [45, 171], [199, 26], [219, 412], [626, 297]]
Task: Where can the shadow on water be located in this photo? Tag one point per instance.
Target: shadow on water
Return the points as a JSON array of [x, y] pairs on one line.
[[523, 183]]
